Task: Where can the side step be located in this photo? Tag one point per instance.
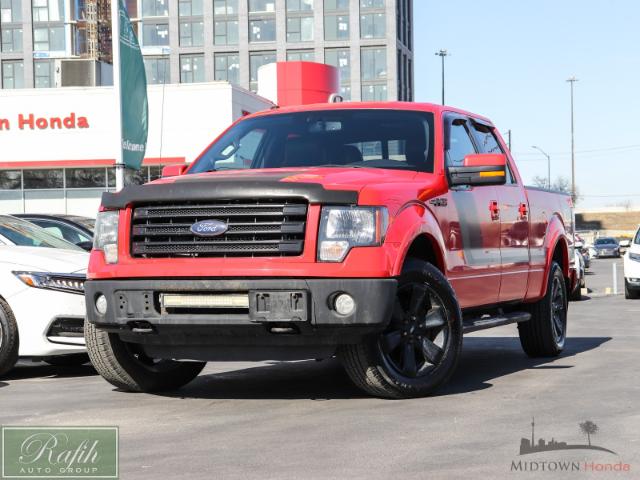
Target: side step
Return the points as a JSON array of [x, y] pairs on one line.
[[481, 323]]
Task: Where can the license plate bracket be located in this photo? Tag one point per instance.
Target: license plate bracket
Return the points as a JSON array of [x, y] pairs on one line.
[[278, 306]]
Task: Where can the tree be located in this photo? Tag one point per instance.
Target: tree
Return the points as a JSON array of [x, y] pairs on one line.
[[589, 428], [540, 182]]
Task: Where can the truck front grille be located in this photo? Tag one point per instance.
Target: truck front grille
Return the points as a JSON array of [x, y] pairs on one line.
[[256, 228]]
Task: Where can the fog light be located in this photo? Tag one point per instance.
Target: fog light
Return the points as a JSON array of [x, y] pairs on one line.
[[101, 304], [344, 304]]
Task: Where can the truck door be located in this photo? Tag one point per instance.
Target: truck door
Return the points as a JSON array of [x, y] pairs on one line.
[[472, 228], [514, 221]]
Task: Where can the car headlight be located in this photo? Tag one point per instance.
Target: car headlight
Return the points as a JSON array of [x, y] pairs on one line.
[[634, 256], [105, 237], [342, 228], [64, 282]]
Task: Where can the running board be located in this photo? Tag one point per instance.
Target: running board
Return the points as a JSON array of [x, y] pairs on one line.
[[484, 322]]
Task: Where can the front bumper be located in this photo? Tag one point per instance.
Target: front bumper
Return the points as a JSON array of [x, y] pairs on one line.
[[136, 311]]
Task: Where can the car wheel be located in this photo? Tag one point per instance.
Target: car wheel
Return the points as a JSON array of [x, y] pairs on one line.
[[576, 295], [73, 360], [545, 333], [126, 366], [9, 339], [419, 349], [629, 293]]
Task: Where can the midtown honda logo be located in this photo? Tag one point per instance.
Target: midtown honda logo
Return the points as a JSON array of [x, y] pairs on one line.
[[557, 463], [32, 122]]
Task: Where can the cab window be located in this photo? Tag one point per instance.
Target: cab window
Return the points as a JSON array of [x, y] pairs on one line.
[[460, 143]]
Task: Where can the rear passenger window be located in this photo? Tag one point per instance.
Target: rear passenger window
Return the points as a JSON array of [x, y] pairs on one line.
[[487, 141], [460, 144]]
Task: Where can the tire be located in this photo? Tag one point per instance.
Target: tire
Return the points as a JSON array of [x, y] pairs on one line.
[[125, 365], [72, 360], [576, 295], [629, 293], [419, 350], [9, 338], [545, 333]]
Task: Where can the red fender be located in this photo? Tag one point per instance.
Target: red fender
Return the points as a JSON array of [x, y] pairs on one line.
[[555, 235]]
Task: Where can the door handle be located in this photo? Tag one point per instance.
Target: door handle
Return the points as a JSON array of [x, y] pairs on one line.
[[523, 210], [494, 208]]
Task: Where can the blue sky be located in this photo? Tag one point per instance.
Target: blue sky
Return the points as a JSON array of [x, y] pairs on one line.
[[510, 60]]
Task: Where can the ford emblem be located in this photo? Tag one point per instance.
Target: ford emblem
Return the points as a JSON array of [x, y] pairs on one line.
[[209, 228]]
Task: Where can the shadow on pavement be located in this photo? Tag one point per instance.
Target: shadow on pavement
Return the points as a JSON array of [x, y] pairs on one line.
[[24, 370], [3, 384], [483, 359]]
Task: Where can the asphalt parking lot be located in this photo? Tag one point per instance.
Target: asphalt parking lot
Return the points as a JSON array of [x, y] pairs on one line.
[[305, 419]]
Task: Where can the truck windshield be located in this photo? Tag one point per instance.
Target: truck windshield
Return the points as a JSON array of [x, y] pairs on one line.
[[333, 138]]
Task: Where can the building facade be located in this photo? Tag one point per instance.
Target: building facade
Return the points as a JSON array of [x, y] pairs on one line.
[[191, 41]]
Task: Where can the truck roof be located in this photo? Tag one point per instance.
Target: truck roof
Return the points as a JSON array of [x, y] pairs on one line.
[[422, 107]]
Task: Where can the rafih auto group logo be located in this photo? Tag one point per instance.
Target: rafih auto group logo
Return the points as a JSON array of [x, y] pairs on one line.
[[552, 462]]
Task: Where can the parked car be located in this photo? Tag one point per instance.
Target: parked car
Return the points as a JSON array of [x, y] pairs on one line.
[[41, 296], [377, 232], [584, 251], [72, 228], [632, 268], [607, 247], [624, 245], [576, 293]]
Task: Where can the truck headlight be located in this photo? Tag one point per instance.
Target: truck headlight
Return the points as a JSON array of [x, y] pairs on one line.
[[64, 282], [634, 256], [342, 228], [105, 237]]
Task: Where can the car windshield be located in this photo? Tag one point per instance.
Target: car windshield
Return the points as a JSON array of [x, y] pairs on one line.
[[26, 234], [333, 138], [606, 241], [86, 222]]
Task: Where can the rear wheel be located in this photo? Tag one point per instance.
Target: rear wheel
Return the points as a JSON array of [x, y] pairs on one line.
[[419, 350], [9, 340], [126, 366], [629, 293], [545, 333]]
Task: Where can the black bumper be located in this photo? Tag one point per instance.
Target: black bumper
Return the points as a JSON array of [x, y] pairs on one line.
[[283, 311]]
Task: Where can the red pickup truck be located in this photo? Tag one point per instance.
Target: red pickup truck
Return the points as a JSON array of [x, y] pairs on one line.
[[379, 233]]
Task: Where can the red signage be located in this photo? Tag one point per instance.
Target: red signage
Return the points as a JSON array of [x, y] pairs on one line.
[[31, 122]]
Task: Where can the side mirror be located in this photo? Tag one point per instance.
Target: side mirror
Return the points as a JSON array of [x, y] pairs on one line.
[[85, 245], [173, 170], [480, 169]]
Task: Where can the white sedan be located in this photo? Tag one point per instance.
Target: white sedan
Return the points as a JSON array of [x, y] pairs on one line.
[[41, 296], [632, 268]]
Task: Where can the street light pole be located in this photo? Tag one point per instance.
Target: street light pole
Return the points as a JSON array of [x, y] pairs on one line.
[[548, 164], [571, 81], [442, 53]]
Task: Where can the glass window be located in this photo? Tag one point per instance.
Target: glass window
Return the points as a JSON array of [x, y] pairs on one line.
[[48, 10], [227, 67], [157, 70], [10, 11], [225, 7], [45, 178], [300, 56], [262, 30], [341, 59], [191, 34], [299, 5], [155, 34], [300, 29], [374, 63], [371, 3], [332, 5], [637, 239], [372, 25], [190, 8], [49, 39], [155, 8], [12, 74], [192, 68], [486, 139], [10, 179], [44, 74], [85, 178], [262, 6], [460, 144], [336, 27], [62, 230], [256, 60], [136, 177], [374, 93], [226, 32], [382, 138], [26, 234], [11, 39]]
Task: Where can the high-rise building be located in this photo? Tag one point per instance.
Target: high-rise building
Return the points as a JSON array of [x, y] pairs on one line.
[[189, 41]]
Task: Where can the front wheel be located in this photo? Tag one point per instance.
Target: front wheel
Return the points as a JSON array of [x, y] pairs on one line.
[[126, 366], [545, 333], [419, 350], [9, 340], [629, 293]]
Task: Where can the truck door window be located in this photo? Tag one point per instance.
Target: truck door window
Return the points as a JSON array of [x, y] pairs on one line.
[[488, 143], [460, 144]]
